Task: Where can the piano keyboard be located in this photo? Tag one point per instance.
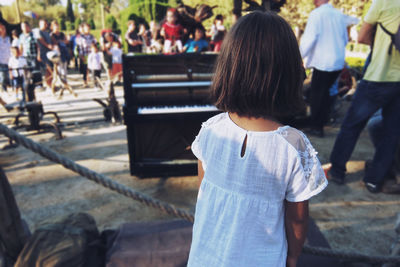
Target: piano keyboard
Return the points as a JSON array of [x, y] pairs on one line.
[[171, 84], [176, 109]]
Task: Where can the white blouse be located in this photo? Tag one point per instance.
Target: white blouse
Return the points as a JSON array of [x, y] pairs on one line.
[[239, 219]]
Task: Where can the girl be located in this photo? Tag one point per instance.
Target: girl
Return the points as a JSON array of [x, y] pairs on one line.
[[217, 32], [16, 66], [255, 174], [172, 32], [95, 62], [116, 54]]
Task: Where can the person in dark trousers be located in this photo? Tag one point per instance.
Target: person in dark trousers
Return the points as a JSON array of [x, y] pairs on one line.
[[323, 46], [379, 89]]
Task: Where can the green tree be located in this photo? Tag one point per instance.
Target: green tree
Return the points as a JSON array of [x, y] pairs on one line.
[[111, 23], [296, 12], [91, 23], [46, 3], [69, 26], [61, 22], [70, 11], [78, 22], [149, 9]]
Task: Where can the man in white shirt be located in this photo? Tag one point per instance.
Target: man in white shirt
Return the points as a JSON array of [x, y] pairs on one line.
[[323, 46]]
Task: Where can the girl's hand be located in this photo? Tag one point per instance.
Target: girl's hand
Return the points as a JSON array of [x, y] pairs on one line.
[[291, 261]]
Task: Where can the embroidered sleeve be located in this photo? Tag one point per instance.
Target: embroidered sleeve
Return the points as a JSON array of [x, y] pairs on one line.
[[308, 178]]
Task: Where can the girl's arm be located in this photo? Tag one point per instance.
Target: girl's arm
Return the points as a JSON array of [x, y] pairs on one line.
[[200, 171], [296, 221]]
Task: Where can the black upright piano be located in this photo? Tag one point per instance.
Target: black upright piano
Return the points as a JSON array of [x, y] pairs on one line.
[[166, 100]]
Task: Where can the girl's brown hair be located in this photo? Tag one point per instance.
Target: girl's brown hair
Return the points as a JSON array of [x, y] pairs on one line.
[[259, 70]]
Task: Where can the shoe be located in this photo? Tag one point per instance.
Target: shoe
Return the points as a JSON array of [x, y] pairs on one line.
[[373, 188], [337, 180]]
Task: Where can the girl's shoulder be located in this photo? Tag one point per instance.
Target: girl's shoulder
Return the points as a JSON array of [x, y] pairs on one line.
[[214, 120], [296, 139]]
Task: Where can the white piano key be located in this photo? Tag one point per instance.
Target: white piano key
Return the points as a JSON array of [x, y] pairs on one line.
[[176, 109], [171, 84]]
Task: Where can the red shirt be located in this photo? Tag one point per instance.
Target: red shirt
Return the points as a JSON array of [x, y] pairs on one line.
[[172, 31]]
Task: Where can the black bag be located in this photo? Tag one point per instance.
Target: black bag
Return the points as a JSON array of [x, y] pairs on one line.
[[73, 241], [395, 37], [13, 230]]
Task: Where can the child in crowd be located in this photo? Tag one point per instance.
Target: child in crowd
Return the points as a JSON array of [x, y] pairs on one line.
[[172, 33], [156, 45], [199, 44], [255, 174], [145, 36], [16, 65], [84, 42], [217, 32], [95, 62], [116, 53], [15, 38]]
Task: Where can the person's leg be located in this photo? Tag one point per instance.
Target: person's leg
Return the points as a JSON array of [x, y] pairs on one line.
[[320, 84], [92, 73], [22, 87], [85, 72], [375, 127], [167, 46], [76, 61], [43, 70], [387, 146], [47, 70], [4, 76], [97, 76], [48, 74], [15, 86], [364, 104], [63, 69]]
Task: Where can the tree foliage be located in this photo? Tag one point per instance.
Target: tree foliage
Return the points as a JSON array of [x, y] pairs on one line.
[[111, 23], [91, 23], [78, 21], [149, 9], [70, 11], [61, 22], [296, 12]]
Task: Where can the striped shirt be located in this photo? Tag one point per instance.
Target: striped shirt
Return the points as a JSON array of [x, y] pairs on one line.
[[29, 48], [84, 42]]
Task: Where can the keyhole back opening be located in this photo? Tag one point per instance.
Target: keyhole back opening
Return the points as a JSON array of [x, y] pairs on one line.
[[243, 151]]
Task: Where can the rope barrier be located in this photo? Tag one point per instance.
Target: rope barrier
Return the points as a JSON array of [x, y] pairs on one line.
[[95, 177], [163, 206]]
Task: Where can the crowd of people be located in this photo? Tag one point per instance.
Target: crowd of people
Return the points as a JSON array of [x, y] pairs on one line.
[[30, 49]]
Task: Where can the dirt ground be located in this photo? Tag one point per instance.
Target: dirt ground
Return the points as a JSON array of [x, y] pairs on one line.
[[350, 217]]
